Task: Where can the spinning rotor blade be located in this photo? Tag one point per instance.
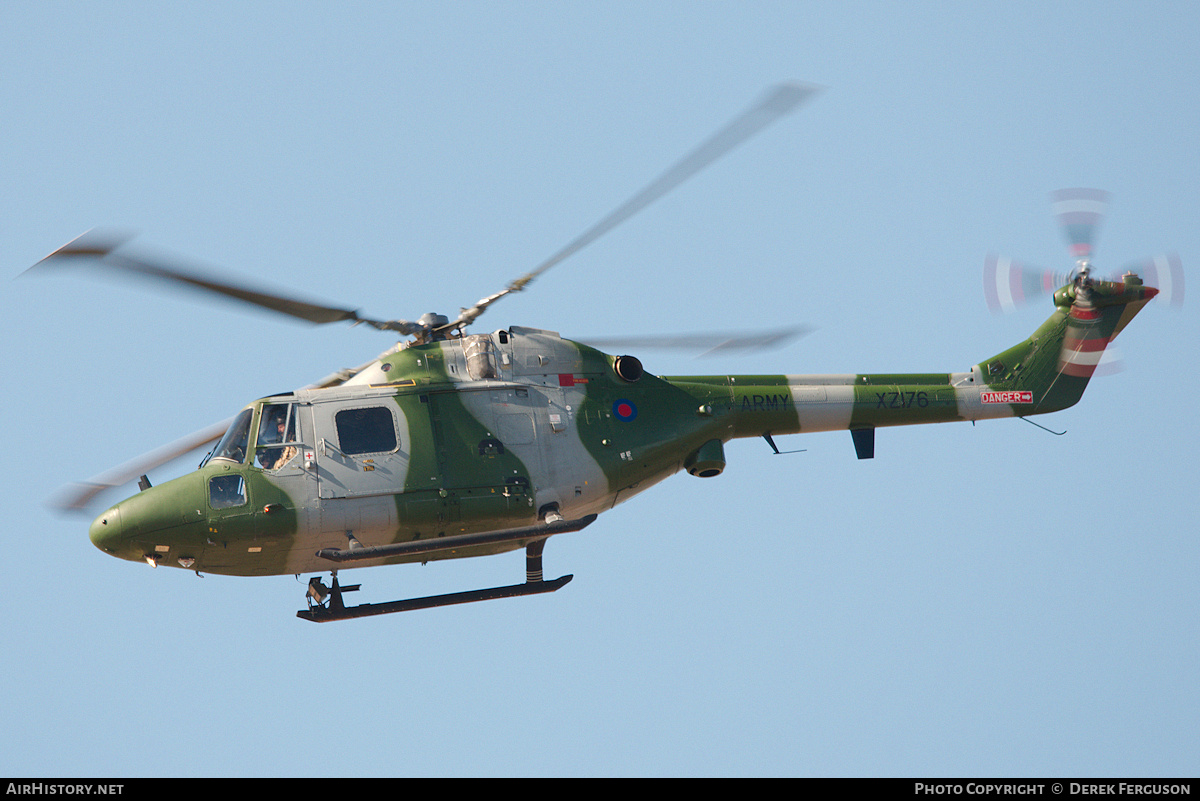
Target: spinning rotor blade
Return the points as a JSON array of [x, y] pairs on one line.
[[1008, 284], [81, 495], [1079, 212], [106, 246], [1165, 273], [339, 377], [779, 102], [707, 344], [78, 496]]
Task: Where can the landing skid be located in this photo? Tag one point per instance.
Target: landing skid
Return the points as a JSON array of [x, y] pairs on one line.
[[335, 610], [330, 605]]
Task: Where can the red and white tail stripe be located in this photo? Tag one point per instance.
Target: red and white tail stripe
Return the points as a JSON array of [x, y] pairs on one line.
[[1083, 347]]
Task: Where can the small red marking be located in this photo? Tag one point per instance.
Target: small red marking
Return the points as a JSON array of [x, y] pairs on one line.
[[566, 380], [1024, 396]]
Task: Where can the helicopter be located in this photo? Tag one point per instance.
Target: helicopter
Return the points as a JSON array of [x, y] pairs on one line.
[[454, 444]]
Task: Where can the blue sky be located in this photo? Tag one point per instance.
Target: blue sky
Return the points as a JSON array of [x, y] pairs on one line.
[[987, 600]]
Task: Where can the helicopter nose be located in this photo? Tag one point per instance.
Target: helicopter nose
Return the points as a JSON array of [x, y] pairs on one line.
[[105, 531]]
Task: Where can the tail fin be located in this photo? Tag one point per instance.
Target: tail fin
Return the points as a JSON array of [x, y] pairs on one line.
[[1055, 364]]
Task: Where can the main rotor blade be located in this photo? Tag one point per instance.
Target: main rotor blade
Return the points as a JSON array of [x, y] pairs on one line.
[[705, 344], [78, 497], [777, 103], [106, 247]]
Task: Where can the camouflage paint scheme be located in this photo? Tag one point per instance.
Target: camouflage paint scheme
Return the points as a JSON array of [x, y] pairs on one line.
[[495, 431]]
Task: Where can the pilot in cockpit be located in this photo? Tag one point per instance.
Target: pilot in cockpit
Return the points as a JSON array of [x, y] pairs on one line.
[[273, 430]]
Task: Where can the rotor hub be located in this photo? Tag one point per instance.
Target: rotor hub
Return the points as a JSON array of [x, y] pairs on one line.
[[433, 320]]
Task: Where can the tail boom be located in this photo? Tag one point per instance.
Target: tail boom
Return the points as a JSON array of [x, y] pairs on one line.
[[1045, 373]]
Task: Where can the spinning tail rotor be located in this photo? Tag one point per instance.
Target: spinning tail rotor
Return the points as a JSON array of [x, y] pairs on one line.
[[1008, 283], [1079, 212]]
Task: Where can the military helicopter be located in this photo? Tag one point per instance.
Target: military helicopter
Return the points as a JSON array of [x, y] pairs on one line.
[[456, 445]]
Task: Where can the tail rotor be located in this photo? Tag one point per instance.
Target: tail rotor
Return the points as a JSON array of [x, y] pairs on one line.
[[1009, 284], [1079, 213]]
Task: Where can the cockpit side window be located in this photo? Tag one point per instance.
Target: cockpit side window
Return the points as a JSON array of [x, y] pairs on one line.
[[370, 430], [276, 444], [226, 491], [233, 445]]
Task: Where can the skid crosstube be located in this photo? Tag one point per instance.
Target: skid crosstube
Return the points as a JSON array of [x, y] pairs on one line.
[[335, 609]]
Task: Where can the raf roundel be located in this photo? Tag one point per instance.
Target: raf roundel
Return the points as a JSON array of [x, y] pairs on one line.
[[624, 410]]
